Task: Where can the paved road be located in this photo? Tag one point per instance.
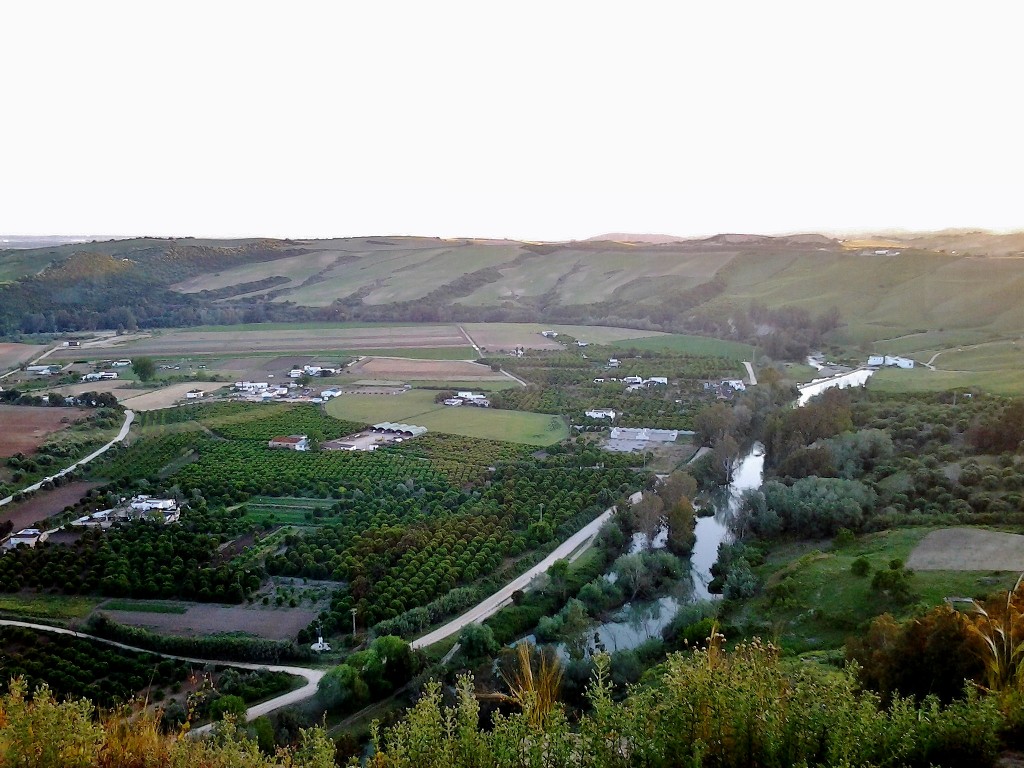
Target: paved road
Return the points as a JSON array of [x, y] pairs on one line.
[[471, 342], [501, 598], [311, 676], [750, 374], [129, 417]]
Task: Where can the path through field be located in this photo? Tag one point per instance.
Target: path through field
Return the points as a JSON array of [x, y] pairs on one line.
[[129, 417], [311, 676]]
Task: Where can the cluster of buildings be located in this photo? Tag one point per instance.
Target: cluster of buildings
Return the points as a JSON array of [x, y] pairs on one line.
[[44, 370], [879, 361], [312, 370], [726, 388], [601, 413], [290, 442], [645, 434], [468, 398], [26, 537], [140, 507], [100, 376]]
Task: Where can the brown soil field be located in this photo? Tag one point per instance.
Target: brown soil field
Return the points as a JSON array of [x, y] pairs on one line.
[[15, 354], [44, 504], [262, 364], [968, 549], [271, 623], [25, 428], [392, 368], [166, 396], [221, 342], [117, 386]]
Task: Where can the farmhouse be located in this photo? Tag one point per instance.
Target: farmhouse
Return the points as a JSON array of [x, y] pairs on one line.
[[28, 537], [469, 398], [899, 362], [453, 401], [600, 413], [655, 381], [139, 508], [291, 442], [876, 359], [251, 386], [194, 394], [43, 370]]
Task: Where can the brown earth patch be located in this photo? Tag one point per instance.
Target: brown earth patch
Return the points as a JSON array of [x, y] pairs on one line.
[[164, 397], [407, 368], [968, 549], [15, 354], [25, 428], [271, 623], [44, 504]]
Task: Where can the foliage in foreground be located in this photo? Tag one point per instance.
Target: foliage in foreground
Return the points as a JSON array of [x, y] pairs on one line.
[[42, 732], [708, 708]]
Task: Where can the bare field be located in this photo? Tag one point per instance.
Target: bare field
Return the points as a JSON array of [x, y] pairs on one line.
[[498, 336], [968, 549], [167, 396], [44, 504], [120, 388], [395, 368], [299, 340], [25, 428], [12, 355], [271, 623]]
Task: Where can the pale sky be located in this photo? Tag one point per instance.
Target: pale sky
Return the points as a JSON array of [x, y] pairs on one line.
[[534, 120]]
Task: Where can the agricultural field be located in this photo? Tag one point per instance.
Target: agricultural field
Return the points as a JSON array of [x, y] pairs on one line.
[[506, 336], [399, 369], [419, 407], [13, 355], [25, 428], [165, 397], [185, 342], [921, 380], [44, 504], [194, 620], [687, 345], [968, 549]]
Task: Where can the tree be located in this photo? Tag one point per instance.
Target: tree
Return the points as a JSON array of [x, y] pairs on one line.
[[144, 368], [477, 641]]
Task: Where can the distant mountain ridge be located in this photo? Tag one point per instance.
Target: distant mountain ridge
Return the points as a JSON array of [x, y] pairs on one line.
[[731, 285]]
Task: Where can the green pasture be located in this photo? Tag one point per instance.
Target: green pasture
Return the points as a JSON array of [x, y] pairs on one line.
[[299, 326], [476, 386], [418, 407], [52, 607], [688, 345], [921, 379], [827, 603]]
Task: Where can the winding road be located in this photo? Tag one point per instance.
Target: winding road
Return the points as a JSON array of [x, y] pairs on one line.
[[311, 676], [129, 417]]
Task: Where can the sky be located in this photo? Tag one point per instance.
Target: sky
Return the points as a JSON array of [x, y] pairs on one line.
[[528, 120]]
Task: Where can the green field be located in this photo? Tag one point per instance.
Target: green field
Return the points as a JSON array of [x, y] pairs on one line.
[[52, 607], [828, 603], [144, 606], [688, 345], [923, 380], [481, 386], [418, 407]]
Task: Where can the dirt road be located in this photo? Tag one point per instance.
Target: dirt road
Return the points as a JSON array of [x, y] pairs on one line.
[[311, 676], [129, 417]]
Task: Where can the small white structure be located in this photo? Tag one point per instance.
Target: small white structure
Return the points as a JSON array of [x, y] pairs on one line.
[[633, 380], [736, 384], [43, 370], [651, 435], [600, 413], [121, 363], [876, 359], [327, 394], [899, 362], [251, 386], [295, 373], [549, 334], [582, 343], [28, 537], [613, 362], [194, 394], [453, 401], [290, 442], [656, 381]]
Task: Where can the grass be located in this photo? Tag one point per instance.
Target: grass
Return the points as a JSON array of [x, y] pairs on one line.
[[919, 379], [143, 606], [418, 407], [476, 386], [828, 603], [689, 345], [54, 607], [310, 326]]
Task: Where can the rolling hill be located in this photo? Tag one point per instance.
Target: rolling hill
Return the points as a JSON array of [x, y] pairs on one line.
[[875, 289]]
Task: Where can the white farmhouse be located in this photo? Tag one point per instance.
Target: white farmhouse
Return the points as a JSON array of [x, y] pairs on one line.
[[600, 413]]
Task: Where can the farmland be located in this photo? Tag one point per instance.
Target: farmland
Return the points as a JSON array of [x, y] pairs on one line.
[[12, 355], [419, 407], [397, 369], [26, 428], [687, 345]]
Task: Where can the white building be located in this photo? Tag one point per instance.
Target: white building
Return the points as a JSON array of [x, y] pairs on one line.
[[899, 362], [121, 363], [194, 394], [876, 359], [600, 413], [651, 435], [28, 537], [656, 380], [736, 384], [549, 334], [633, 380], [291, 442], [613, 362]]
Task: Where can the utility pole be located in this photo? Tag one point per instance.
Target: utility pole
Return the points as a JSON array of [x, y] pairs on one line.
[[353, 610]]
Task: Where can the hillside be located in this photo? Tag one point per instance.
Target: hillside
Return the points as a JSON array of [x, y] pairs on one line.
[[868, 290]]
